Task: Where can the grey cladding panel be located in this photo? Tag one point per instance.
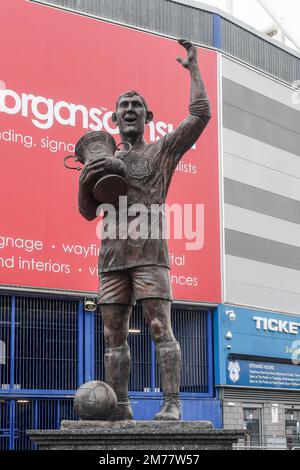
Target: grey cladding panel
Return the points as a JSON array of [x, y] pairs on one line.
[[260, 117], [255, 103], [264, 202], [261, 129], [260, 249], [175, 19], [259, 52], [161, 16]]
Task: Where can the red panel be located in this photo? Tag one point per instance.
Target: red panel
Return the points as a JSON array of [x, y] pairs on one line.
[[65, 57]]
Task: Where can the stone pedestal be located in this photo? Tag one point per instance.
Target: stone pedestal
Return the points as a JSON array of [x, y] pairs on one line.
[[136, 435]]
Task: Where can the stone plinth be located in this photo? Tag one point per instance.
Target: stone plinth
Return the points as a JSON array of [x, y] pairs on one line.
[[136, 435]]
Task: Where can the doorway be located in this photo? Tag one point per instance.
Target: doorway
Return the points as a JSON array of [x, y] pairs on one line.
[[253, 425], [292, 428]]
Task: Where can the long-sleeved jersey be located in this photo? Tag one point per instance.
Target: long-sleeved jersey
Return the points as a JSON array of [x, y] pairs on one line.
[[133, 239]]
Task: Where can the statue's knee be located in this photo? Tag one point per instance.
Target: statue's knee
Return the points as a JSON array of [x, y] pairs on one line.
[[115, 338], [157, 330]]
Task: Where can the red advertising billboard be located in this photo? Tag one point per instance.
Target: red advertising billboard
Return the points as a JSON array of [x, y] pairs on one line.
[[60, 76]]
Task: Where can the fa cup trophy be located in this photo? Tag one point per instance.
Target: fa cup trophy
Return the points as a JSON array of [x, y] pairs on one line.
[[101, 144]]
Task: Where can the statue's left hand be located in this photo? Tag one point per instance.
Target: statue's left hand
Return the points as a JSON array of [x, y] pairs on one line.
[[191, 57], [93, 169]]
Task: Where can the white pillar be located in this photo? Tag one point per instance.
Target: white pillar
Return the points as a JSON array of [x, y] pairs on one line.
[[2, 353]]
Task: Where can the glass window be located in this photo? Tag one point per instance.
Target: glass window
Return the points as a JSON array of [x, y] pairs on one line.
[[292, 428], [252, 424]]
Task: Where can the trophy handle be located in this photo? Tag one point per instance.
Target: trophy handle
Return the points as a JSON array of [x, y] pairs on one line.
[[78, 168], [127, 150]]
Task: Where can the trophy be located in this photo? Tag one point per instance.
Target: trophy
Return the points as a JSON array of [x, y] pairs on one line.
[[93, 145]]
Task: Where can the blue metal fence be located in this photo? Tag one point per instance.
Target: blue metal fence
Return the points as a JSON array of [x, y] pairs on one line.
[[140, 347], [192, 329], [19, 415], [45, 353], [48, 347], [5, 338], [4, 425]]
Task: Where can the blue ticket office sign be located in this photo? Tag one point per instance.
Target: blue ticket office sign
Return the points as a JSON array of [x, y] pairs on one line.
[[256, 349]]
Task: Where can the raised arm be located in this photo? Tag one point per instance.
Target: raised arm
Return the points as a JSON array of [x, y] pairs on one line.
[[190, 63], [189, 131]]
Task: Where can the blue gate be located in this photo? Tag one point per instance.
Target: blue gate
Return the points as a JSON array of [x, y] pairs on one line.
[[17, 416], [4, 425], [48, 347], [192, 328]]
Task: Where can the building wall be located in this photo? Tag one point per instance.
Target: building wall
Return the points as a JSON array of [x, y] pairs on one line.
[[261, 150], [257, 373], [200, 23], [162, 16], [233, 418]]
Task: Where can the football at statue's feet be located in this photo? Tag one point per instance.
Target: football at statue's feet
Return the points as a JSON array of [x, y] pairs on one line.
[[95, 400]]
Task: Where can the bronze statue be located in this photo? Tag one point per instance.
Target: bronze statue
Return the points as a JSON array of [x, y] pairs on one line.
[[131, 270]]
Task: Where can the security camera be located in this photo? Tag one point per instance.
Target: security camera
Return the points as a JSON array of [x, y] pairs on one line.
[[90, 305], [231, 315]]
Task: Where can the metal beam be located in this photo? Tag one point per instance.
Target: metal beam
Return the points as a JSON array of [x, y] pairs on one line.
[[281, 22]]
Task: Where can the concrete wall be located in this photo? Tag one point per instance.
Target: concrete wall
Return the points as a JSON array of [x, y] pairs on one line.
[[272, 434], [261, 164], [233, 418]]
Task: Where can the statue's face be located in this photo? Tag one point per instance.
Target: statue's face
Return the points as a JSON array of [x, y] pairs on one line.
[[131, 116]]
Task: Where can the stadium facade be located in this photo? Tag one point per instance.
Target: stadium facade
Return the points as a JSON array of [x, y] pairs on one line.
[[237, 302]]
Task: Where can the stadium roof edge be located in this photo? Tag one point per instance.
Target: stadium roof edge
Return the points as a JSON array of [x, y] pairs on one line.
[[236, 21]]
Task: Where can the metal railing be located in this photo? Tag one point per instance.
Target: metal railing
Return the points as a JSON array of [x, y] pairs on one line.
[[268, 442], [40, 343], [51, 346], [19, 415], [191, 328]]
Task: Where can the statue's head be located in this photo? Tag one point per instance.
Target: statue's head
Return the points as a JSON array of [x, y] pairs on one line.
[[132, 114]]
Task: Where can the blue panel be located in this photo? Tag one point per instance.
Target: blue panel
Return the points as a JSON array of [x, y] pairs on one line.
[[153, 375], [192, 410], [89, 346], [12, 424], [12, 342], [263, 375], [5, 413], [5, 338], [80, 344], [210, 353], [217, 31], [259, 334], [145, 409], [217, 347]]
